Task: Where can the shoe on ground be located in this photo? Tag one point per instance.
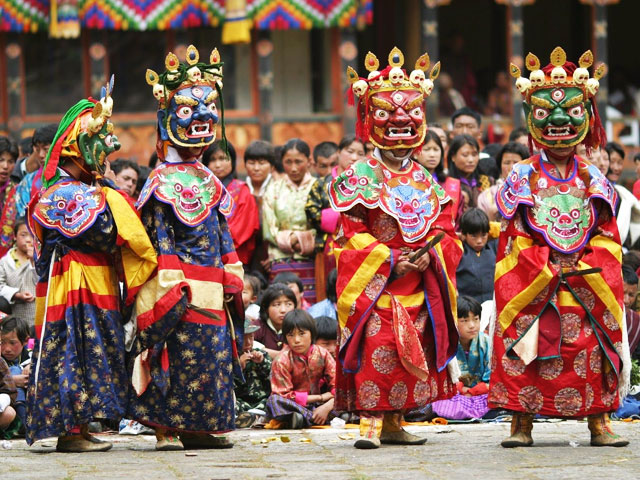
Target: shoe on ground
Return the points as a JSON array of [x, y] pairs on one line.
[[366, 443], [169, 443], [80, 444], [608, 440], [297, 421], [519, 439], [192, 441], [401, 438]]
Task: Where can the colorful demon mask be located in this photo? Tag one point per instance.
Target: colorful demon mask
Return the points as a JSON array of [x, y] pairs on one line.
[[186, 94], [391, 105], [191, 191], [412, 204], [69, 207], [85, 137], [563, 216], [559, 100]]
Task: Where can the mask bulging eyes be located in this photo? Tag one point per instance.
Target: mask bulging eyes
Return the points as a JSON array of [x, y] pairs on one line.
[[381, 114], [61, 205], [576, 111], [212, 108], [108, 141], [184, 111], [575, 214], [79, 198], [177, 187], [540, 113], [416, 112]]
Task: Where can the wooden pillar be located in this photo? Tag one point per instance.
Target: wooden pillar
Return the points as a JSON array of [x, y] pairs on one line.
[[431, 45], [600, 46], [515, 54], [264, 47], [515, 50], [97, 62], [348, 50], [15, 108]]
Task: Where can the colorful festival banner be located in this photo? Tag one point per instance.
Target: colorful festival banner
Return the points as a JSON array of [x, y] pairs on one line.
[[65, 18]]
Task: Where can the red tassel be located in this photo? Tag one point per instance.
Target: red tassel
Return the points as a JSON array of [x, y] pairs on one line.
[[351, 98], [597, 132]]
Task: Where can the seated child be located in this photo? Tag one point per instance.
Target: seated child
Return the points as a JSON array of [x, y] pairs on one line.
[[327, 334], [473, 358], [475, 272], [277, 301], [303, 376], [14, 335], [250, 290], [327, 307], [18, 275], [252, 394], [9, 422], [293, 281]]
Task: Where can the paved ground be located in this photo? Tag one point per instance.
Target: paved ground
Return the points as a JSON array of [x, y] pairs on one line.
[[453, 451]]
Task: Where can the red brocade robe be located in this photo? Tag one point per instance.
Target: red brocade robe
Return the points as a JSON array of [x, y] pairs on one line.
[[397, 334], [558, 344]]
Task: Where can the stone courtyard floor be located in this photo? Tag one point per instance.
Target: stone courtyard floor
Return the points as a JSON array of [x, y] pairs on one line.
[[464, 451]]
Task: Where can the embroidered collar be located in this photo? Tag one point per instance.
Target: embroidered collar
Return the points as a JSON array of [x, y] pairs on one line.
[[191, 189]]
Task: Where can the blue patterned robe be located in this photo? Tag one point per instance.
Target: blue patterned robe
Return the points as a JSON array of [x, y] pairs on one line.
[[184, 361]]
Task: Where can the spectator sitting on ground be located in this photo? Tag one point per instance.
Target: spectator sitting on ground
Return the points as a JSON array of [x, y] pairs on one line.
[[14, 335], [327, 336], [327, 307], [252, 394], [277, 300], [293, 281], [18, 276], [476, 268], [325, 157], [474, 361], [303, 377], [9, 422]]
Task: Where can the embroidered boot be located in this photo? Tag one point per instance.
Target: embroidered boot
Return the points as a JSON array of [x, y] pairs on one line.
[[601, 433], [167, 441], [521, 426], [370, 428], [192, 441], [394, 434], [80, 443]]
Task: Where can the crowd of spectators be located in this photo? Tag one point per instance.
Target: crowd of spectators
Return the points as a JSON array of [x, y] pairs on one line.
[[283, 229]]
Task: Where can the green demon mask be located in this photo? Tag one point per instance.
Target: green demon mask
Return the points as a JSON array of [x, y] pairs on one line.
[[558, 117]]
